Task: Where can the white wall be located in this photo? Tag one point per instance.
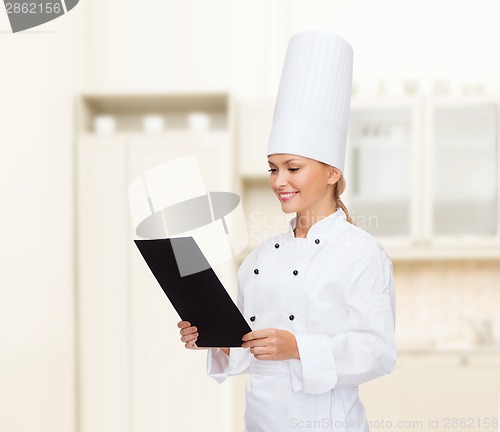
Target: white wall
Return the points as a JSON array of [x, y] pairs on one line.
[[427, 39], [239, 44], [40, 70]]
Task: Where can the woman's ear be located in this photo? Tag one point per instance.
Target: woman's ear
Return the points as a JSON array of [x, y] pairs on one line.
[[333, 175]]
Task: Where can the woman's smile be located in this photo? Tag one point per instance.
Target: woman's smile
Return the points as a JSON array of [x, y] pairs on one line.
[[287, 196]]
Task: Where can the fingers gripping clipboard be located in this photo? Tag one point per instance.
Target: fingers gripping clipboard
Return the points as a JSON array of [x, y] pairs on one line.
[[194, 290]]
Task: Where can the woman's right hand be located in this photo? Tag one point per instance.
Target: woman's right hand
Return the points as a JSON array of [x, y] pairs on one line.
[[189, 334]]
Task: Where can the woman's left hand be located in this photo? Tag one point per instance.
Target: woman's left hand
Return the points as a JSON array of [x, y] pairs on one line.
[[271, 344]]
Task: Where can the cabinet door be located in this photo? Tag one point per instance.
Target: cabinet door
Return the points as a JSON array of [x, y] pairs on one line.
[[103, 289], [254, 119], [381, 169], [463, 171], [390, 397], [171, 390], [213, 152], [465, 387]]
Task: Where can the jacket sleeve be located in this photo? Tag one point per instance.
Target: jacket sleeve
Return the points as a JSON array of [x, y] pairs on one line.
[[367, 349], [219, 365]]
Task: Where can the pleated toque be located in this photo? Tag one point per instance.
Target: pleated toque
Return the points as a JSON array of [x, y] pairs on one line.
[[311, 113]]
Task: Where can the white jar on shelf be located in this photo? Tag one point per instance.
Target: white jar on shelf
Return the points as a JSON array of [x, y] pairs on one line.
[[198, 121], [105, 124], [153, 123]]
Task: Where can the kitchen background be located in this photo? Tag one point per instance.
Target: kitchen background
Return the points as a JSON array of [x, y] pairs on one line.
[[88, 341]]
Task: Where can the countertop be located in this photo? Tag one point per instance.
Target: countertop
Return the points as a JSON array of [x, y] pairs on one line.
[[449, 348]]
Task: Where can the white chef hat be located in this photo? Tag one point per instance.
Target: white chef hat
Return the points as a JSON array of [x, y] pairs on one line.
[[311, 113]]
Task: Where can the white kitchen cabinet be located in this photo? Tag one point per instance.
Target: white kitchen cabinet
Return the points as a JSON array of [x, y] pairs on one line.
[[426, 172], [459, 386], [212, 149], [164, 373], [135, 374], [262, 208], [382, 169], [254, 119], [103, 296], [422, 174], [440, 390], [462, 181], [388, 397]]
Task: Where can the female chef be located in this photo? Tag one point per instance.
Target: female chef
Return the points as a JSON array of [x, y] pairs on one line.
[[319, 298]]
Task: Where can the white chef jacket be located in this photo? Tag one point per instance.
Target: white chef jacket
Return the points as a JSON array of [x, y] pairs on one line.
[[334, 291]]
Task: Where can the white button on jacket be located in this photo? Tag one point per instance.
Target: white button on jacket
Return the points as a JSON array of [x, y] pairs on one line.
[[334, 291]]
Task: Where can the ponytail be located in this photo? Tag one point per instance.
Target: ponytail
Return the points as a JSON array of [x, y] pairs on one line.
[[339, 188]]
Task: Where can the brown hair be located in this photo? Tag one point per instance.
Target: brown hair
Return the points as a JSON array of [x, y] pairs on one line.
[[337, 191]]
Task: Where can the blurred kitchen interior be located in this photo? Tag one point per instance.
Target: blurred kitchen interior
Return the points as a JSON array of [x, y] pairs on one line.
[[88, 341]]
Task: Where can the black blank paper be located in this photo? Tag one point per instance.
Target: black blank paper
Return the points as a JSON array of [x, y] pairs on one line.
[[199, 296]]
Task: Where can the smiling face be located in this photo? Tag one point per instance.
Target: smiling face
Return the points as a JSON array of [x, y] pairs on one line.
[[301, 184]]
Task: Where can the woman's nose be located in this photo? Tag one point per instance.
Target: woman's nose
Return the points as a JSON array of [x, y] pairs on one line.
[[281, 179]]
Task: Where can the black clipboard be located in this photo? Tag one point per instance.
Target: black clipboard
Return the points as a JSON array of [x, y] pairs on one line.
[[194, 290]]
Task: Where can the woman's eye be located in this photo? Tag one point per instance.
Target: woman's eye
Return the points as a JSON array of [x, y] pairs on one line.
[[290, 169]]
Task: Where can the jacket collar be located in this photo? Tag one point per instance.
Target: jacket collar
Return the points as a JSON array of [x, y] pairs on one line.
[[320, 227]]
